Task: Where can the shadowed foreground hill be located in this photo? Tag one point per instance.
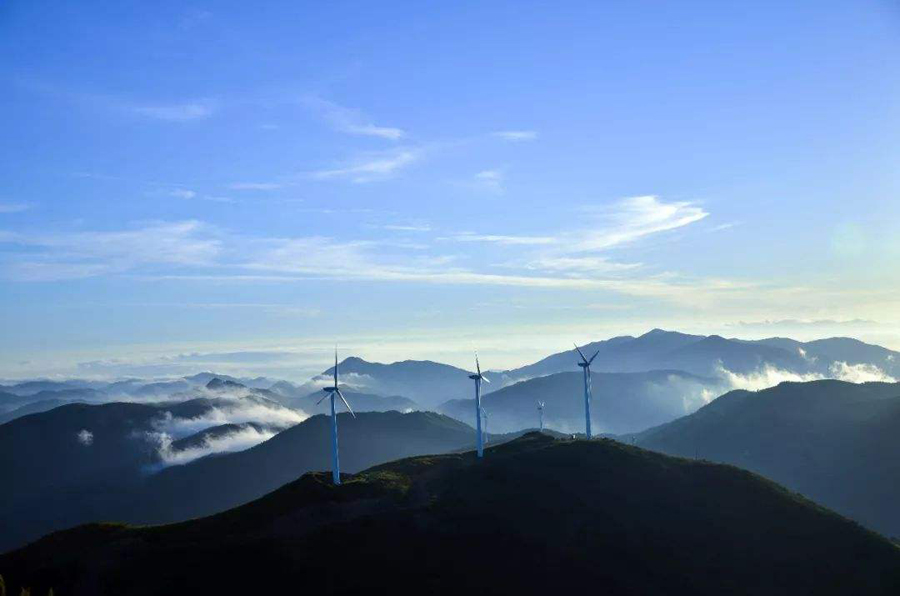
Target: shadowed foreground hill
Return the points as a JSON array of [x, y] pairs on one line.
[[833, 441], [219, 482], [536, 516], [57, 483]]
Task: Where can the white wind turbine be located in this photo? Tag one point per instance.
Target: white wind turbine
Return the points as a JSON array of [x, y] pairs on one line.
[[478, 378], [541, 414], [331, 392], [585, 365]]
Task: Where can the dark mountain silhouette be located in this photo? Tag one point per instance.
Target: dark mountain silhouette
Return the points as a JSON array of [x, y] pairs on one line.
[[832, 441], [622, 402], [72, 463], [120, 475], [536, 516], [34, 407]]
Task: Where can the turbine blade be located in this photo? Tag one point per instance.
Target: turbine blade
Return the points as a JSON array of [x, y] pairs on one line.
[[477, 365], [594, 356], [335, 367], [321, 400], [580, 353], [344, 399], [484, 378]]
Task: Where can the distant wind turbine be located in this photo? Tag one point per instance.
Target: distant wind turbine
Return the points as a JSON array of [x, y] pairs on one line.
[[331, 392], [478, 378], [541, 414], [585, 365]]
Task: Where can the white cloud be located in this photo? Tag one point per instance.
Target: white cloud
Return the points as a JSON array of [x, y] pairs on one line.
[[764, 377], [182, 193], [182, 112], [516, 135], [371, 166], [13, 207], [770, 376], [635, 218], [859, 373], [239, 440], [352, 121], [85, 437]]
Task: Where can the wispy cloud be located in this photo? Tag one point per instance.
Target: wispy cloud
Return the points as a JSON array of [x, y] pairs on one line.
[[255, 185], [178, 112], [184, 193], [516, 135], [490, 180], [583, 264], [192, 250], [14, 207], [635, 218], [407, 227], [76, 255], [351, 121], [371, 166], [504, 239]]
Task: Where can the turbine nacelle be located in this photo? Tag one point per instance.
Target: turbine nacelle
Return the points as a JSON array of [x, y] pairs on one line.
[[585, 361]]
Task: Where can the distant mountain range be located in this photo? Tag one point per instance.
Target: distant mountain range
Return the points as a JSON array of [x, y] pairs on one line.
[[736, 363], [710, 355], [835, 442], [536, 515], [622, 402], [360, 402]]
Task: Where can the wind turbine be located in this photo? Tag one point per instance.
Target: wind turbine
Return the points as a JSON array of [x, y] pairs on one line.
[[478, 378], [331, 392], [485, 415], [585, 365], [541, 414]]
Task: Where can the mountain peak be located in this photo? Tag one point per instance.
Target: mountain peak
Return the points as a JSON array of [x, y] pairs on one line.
[[217, 384]]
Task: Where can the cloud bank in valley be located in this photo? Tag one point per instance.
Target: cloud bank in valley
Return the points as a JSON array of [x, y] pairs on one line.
[[770, 376]]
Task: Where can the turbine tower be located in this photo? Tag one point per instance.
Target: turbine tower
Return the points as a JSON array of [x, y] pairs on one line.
[[541, 414], [484, 414], [331, 392], [585, 365], [478, 378]]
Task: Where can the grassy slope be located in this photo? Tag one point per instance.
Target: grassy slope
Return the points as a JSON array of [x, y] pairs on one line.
[[536, 514]]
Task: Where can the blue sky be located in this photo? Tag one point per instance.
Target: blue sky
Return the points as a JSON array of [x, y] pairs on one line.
[[239, 186]]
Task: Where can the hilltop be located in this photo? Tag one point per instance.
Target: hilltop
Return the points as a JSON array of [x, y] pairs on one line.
[[537, 515]]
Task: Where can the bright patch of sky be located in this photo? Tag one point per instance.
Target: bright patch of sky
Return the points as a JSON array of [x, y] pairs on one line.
[[415, 181]]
